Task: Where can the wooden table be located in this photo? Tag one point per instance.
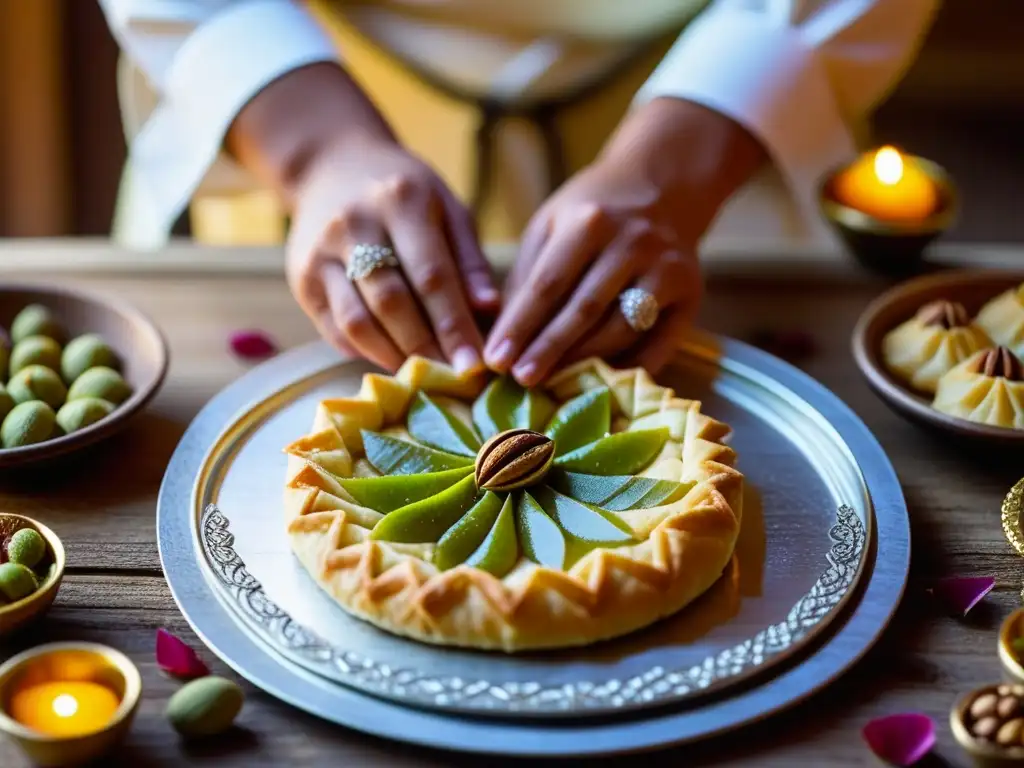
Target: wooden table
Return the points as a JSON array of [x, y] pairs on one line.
[[103, 503]]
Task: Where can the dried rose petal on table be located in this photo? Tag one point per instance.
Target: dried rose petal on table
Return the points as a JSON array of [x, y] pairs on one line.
[[900, 739], [961, 593], [177, 658], [252, 345]]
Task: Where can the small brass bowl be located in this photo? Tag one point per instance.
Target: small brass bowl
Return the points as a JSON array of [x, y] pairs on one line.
[[89, 662], [890, 248], [14, 616], [984, 753], [1013, 627]]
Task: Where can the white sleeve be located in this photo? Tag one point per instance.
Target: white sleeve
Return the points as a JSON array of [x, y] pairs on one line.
[[801, 75], [197, 63]]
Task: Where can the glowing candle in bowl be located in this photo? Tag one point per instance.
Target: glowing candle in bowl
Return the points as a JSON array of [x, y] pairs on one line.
[[888, 187], [67, 703]]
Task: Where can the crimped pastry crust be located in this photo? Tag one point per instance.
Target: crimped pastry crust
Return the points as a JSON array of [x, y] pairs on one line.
[[682, 548]]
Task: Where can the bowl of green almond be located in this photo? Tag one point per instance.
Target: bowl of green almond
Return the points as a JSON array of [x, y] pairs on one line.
[[74, 367]]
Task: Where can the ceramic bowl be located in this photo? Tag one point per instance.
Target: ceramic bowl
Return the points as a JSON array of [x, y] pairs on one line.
[[90, 662], [972, 288], [135, 339], [14, 616]]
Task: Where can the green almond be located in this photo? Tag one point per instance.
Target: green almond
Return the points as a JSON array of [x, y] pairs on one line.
[[390, 492], [392, 456], [541, 539], [436, 426], [427, 520], [617, 493], [499, 552], [620, 454], [580, 521], [582, 420], [462, 539]]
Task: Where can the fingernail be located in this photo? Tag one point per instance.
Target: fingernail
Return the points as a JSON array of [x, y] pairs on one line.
[[501, 356], [524, 373], [487, 295], [465, 359]]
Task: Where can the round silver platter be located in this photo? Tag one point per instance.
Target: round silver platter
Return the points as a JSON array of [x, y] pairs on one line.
[[820, 567]]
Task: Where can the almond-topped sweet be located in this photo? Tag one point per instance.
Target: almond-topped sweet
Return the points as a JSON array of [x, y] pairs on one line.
[[1002, 318], [986, 388], [999, 362], [468, 512], [947, 314]]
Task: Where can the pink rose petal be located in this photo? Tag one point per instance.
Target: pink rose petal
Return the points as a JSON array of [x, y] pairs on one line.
[[901, 739], [252, 345], [961, 593], [176, 658]]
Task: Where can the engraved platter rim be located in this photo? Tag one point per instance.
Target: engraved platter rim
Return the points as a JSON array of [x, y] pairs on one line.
[[271, 671]]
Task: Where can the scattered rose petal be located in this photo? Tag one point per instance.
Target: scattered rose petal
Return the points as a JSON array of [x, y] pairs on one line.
[[791, 346], [176, 658], [901, 739], [961, 593], [252, 344]]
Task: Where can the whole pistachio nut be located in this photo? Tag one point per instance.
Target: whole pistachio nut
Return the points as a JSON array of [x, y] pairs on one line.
[[37, 383], [79, 414], [35, 350], [85, 352], [514, 459], [27, 423], [100, 382], [36, 320], [25, 547], [17, 581]]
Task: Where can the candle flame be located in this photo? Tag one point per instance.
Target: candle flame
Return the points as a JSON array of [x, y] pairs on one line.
[[888, 165], [65, 705]]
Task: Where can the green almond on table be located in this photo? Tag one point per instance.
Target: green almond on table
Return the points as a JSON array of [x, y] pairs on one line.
[[617, 493], [393, 456], [426, 521], [465, 537], [622, 453], [431, 423], [582, 420], [499, 551], [541, 539], [205, 707], [387, 493]]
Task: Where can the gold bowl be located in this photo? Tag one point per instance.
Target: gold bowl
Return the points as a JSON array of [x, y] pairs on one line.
[[1013, 626], [16, 615], [70, 662], [890, 248], [984, 753]]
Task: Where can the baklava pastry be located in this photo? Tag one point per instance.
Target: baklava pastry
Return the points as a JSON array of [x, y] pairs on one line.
[[1002, 318], [986, 388]]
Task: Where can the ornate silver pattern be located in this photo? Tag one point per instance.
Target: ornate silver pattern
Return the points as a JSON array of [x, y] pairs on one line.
[[366, 258], [421, 687], [639, 308]]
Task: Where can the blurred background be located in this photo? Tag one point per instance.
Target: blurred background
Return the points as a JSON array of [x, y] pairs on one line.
[[62, 145]]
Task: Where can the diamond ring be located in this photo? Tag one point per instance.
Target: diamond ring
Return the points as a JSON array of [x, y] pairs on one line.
[[366, 258], [640, 308]]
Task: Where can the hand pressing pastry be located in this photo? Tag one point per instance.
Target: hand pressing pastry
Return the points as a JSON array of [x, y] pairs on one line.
[[986, 388], [1002, 319], [459, 511], [930, 343]]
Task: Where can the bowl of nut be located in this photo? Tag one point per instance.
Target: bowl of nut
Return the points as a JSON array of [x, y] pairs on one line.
[[74, 367], [946, 351], [989, 724], [31, 569]]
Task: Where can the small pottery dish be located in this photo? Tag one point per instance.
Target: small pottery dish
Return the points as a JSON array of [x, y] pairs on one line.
[[890, 248], [1012, 628], [137, 342], [70, 663], [972, 288], [988, 723], [16, 615]]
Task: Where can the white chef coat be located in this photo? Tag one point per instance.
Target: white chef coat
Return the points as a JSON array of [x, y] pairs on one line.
[[801, 75]]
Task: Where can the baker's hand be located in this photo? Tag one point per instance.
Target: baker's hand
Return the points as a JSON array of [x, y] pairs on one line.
[[369, 191], [632, 219]]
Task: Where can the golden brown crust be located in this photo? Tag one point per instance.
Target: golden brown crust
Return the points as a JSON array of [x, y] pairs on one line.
[[682, 550]]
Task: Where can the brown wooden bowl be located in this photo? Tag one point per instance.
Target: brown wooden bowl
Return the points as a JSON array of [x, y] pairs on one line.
[[136, 340], [972, 288]]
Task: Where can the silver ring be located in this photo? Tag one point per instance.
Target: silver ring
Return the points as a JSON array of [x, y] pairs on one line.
[[640, 308], [366, 258]]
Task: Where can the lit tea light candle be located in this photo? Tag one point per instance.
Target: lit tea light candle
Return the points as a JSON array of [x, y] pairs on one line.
[[64, 708], [888, 186]]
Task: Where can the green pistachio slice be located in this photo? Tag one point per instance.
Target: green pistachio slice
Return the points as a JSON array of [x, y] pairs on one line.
[[427, 520], [494, 408], [620, 454], [582, 420], [617, 493], [580, 521], [463, 538], [390, 492], [391, 456], [542, 540], [437, 427], [499, 551], [533, 411]]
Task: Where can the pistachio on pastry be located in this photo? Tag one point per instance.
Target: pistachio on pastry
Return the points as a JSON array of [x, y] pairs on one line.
[[514, 459]]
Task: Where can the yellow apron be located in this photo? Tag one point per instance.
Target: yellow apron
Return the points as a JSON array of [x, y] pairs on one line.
[[457, 130]]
